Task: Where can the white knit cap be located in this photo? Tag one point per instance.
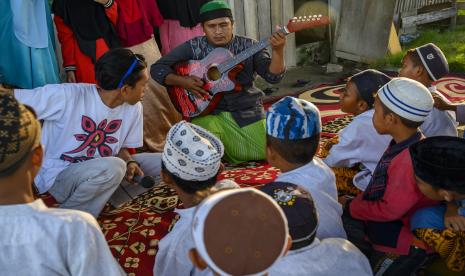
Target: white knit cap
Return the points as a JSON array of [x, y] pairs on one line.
[[191, 152], [407, 98], [256, 211]]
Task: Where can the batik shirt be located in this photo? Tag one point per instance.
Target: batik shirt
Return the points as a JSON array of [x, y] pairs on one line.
[[245, 106], [78, 126]]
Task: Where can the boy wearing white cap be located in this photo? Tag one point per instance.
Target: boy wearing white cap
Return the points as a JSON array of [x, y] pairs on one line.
[[427, 64], [293, 129], [308, 254], [238, 232], [377, 221], [191, 161]]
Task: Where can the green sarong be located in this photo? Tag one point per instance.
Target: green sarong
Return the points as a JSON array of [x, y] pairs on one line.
[[240, 144]]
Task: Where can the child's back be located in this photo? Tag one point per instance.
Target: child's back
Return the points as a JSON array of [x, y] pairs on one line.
[[293, 134], [43, 238], [308, 254]]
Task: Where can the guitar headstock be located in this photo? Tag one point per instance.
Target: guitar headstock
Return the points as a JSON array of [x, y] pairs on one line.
[[306, 21]]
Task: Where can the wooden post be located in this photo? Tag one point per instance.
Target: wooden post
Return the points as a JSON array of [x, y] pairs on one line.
[[453, 20], [251, 18], [265, 27], [334, 12], [287, 8], [239, 19]]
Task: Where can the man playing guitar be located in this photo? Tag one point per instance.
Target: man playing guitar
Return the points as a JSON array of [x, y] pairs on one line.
[[238, 119]]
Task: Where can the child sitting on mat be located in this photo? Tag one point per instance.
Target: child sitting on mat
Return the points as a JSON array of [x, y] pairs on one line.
[[426, 64], [439, 165], [191, 162], [359, 145], [293, 129], [308, 254], [377, 221], [238, 232]]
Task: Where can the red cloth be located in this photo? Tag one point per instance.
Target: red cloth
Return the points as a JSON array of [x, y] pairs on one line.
[[72, 55], [136, 20], [400, 200]]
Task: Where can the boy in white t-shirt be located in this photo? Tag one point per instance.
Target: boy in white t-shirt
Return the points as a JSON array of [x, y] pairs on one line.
[[37, 240], [87, 130]]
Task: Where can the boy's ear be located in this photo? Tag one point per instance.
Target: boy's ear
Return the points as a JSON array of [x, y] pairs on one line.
[[37, 156], [165, 177], [125, 90], [419, 71], [196, 259], [447, 195], [362, 105], [221, 169], [288, 245]]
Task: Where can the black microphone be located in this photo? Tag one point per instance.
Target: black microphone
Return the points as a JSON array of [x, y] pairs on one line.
[[145, 181]]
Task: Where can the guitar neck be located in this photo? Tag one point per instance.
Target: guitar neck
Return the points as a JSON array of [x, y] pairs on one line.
[[232, 62]]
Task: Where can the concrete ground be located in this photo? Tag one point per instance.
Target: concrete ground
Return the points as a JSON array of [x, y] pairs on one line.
[[313, 74]]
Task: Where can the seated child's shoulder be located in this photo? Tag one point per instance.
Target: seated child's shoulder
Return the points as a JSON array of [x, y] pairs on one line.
[[73, 219]]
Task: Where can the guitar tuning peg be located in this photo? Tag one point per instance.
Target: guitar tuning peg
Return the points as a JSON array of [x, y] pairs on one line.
[[305, 16], [294, 18], [313, 19], [320, 15]]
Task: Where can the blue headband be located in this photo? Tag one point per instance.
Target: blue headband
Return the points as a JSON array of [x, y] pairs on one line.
[[128, 72]]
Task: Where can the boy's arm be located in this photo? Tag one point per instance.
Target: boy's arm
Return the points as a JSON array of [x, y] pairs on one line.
[[49, 102], [460, 113], [345, 153], [452, 219], [132, 167], [400, 196]]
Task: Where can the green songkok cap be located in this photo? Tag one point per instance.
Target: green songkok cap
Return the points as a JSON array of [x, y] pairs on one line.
[[214, 9]]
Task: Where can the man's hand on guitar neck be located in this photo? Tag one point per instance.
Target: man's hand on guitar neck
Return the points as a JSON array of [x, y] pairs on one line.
[[191, 83], [277, 41]]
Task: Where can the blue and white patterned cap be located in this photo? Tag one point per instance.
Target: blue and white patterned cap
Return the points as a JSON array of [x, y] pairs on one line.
[[407, 98], [293, 119]]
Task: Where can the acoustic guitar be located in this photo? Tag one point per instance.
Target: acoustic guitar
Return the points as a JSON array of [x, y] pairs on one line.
[[219, 69]]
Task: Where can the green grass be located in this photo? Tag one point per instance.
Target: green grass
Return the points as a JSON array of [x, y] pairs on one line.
[[452, 44]]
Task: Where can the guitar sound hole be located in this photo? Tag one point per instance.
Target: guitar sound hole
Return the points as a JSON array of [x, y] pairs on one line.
[[213, 73]]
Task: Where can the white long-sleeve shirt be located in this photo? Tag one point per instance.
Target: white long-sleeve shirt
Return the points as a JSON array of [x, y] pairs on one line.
[[359, 143], [438, 122], [173, 250], [319, 180], [331, 256], [37, 240]]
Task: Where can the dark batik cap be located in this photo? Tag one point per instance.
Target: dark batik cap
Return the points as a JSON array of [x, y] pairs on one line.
[[433, 60], [368, 83], [440, 162], [299, 208]]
